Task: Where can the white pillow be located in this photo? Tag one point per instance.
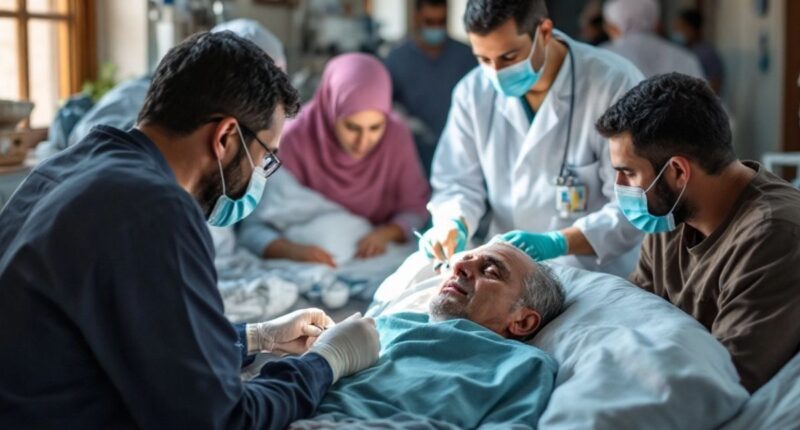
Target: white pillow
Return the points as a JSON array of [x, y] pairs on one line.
[[627, 358], [776, 405]]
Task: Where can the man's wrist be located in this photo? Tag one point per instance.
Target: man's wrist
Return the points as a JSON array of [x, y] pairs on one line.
[[256, 340]]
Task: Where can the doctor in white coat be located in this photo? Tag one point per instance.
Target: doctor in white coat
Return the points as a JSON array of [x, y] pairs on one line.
[[520, 144]]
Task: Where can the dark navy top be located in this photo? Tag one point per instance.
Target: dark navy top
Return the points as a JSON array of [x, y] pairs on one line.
[[109, 311]]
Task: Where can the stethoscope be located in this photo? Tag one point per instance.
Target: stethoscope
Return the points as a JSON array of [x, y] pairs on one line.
[[570, 192], [563, 172]]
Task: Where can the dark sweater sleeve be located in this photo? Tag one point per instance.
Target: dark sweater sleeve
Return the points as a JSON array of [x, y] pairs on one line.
[[166, 345], [241, 344]]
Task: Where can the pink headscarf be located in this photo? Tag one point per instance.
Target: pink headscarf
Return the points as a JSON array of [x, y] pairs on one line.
[[387, 185]]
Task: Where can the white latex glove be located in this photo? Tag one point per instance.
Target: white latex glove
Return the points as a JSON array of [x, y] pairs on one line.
[[290, 334], [350, 346]]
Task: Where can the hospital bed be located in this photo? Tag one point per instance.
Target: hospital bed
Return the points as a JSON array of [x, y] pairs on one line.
[[627, 359]]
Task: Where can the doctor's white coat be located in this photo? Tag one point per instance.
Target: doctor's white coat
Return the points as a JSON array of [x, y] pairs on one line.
[[490, 157]]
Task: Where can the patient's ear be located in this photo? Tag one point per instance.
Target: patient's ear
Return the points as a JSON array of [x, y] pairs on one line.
[[524, 322]]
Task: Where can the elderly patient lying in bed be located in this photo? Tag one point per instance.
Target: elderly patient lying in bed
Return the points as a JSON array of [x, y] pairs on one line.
[[465, 364]]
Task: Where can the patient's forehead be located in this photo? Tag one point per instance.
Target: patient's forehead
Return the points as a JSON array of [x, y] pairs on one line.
[[518, 262]]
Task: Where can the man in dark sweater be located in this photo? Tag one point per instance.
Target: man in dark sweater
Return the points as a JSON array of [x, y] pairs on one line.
[[109, 308], [725, 234]]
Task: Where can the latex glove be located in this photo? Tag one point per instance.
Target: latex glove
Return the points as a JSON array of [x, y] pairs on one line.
[[350, 346], [443, 240], [539, 246], [290, 334]]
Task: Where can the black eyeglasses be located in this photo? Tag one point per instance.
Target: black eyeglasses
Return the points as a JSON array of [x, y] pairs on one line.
[[270, 163]]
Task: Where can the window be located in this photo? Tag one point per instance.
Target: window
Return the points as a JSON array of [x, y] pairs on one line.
[[47, 51]]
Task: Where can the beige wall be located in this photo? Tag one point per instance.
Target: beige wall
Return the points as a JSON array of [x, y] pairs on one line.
[[122, 36], [755, 98]]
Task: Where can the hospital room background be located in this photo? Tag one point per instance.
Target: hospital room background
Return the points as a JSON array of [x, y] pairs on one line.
[[54, 51], [63, 62]]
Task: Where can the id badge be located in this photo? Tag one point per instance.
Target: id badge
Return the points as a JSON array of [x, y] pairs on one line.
[[571, 199]]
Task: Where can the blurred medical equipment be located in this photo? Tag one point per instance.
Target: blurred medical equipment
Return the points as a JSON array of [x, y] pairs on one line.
[[170, 21], [773, 161]]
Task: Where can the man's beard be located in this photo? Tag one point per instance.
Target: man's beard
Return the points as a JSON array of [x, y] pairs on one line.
[[211, 186], [663, 199], [443, 307]]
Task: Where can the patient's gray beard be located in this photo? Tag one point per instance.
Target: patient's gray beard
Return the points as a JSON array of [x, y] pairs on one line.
[[443, 308]]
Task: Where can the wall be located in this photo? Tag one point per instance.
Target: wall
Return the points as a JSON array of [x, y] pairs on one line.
[[280, 20], [122, 36], [390, 15], [755, 98]]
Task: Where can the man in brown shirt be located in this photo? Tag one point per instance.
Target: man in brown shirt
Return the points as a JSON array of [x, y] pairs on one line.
[[725, 242]]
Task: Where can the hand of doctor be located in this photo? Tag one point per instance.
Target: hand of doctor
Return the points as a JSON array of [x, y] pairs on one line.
[[538, 246], [290, 334], [350, 346], [444, 239]]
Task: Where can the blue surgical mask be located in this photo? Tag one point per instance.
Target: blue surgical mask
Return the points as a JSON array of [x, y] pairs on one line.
[[632, 202], [516, 79], [433, 35], [228, 211]]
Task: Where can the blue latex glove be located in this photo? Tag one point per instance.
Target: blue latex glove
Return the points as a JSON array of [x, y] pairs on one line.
[[451, 235], [539, 246]]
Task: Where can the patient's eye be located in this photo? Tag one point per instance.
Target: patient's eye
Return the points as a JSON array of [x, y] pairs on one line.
[[490, 270]]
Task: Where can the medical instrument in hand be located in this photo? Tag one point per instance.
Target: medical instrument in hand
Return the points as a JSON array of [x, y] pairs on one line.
[[439, 263]]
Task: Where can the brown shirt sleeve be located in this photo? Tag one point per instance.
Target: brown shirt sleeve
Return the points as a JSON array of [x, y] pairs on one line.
[[759, 302], [642, 276]]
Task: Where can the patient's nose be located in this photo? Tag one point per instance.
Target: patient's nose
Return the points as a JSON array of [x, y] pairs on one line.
[[463, 268]]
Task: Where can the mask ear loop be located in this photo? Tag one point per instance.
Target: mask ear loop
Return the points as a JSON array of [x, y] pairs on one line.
[[222, 176], [664, 169], [679, 197], [533, 48], [652, 184], [244, 145]]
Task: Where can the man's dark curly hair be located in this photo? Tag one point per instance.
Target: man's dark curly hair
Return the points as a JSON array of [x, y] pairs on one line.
[[217, 74]]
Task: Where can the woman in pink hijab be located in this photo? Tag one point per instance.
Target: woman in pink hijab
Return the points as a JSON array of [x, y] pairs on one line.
[[347, 145]]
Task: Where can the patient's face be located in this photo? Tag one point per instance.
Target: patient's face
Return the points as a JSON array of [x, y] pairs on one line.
[[484, 286]]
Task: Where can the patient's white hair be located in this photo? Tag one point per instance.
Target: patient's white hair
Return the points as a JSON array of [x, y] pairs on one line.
[[542, 292]]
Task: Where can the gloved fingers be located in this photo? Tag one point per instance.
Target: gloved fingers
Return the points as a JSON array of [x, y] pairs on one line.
[[316, 317], [354, 316], [370, 320], [439, 252], [311, 330], [451, 244], [295, 347]]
